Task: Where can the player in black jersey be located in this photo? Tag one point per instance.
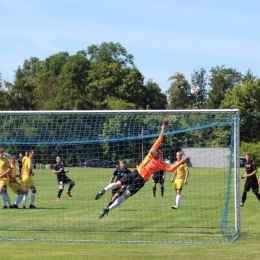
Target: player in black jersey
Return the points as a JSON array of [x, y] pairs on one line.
[[62, 178], [158, 177], [251, 180], [20, 163], [119, 173]]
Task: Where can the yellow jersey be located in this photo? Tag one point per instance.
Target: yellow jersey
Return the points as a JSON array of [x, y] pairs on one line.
[[24, 159], [28, 166], [12, 174], [181, 171]]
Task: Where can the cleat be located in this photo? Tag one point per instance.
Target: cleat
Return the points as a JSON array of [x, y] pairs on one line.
[[32, 207], [105, 211], [5, 207], [58, 199], [15, 206], [100, 194], [11, 207], [24, 207], [175, 207], [154, 196], [241, 204], [161, 195], [68, 192]]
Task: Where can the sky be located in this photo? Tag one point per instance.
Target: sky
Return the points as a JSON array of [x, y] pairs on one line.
[[164, 36]]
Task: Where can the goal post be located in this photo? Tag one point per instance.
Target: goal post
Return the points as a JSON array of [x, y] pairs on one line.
[[91, 143]]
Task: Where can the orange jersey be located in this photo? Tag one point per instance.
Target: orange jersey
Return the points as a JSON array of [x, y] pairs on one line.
[[150, 165]]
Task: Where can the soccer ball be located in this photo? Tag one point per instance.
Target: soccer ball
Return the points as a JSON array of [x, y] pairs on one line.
[[195, 90]]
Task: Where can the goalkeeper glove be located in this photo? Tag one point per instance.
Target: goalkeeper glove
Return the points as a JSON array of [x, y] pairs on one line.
[[166, 122], [185, 160]]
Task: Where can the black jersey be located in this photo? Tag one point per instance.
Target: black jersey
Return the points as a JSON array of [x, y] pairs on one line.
[[61, 175], [159, 174], [250, 167], [120, 173], [20, 163]]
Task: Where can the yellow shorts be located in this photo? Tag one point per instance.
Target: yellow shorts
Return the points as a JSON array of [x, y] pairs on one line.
[[178, 184], [4, 181], [27, 182], [15, 186]]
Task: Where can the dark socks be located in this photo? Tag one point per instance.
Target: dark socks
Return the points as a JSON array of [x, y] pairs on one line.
[[70, 187], [244, 197], [162, 190], [154, 190], [59, 193]]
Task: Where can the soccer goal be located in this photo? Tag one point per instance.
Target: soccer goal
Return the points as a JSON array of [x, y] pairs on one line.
[[90, 144]]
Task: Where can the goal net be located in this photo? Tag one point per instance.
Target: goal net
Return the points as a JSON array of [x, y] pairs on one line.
[[90, 144]]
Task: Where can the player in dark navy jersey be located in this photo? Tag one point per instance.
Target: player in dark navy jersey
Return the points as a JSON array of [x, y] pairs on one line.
[[119, 173], [62, 178], [158, 177], [251, 180]]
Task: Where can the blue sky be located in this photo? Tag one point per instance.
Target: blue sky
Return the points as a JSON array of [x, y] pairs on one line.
[[165, 36]]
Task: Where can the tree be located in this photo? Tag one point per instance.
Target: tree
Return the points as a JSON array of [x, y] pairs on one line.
[[110, 52], [4, 96], [154, 98], [220, 81], [199, 78], [178, 94], [110, 81], [246, 98], [248, 76], [29, 68]]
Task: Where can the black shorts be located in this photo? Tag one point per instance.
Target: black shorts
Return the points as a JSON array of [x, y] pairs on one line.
[[63, 181], [134, 181], [158, 179], [118, 191], [251, 184]]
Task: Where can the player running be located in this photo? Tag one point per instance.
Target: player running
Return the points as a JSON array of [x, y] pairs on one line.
[[137, 179], [62, 178]]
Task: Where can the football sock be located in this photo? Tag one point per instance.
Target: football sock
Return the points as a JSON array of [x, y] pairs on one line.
[[110, 186], [154, 190], [8, 199], [244, 197], [110, 203], [178, 200], [257, 195], [117, 203], [25, 196], [3, 199], [18, 199], [60, 192], [162, 190], [32, 198], [71, 187]]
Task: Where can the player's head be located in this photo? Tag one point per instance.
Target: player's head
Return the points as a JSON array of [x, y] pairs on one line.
[[58, 159], [157, 153], [26, 153], [2, 152], [122, 163], [12, 159], [179, 156], [31, 154], [20, 155], [248, 157]]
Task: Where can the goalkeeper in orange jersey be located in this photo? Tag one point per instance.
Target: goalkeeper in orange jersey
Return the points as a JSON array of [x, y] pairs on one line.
[[137, 179], [181, 177]]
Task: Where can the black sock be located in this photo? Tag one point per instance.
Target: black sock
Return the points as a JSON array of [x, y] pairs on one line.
[[257, 195], [162, 190], [70, 187], [154, 190], [110, 203], [59, 193], [244, 197]]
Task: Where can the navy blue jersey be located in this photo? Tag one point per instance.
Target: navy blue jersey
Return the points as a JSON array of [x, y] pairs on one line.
[[61, 175], [250, 167], [20, 163], [120, 173]]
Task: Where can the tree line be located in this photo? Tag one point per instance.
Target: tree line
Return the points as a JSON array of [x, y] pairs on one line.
[[104, 77]]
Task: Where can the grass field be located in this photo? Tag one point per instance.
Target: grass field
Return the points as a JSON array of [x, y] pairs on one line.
[[141, 218]]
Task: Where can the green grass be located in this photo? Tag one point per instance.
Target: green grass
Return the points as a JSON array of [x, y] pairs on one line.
[[141, 218]]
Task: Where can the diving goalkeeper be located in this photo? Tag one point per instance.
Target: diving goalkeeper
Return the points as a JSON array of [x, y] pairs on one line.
[[137, 179]]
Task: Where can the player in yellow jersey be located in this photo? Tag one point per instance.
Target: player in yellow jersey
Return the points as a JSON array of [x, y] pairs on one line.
[[27, 181], [23, 160], [13, 184], [4, 179], [181, 177]]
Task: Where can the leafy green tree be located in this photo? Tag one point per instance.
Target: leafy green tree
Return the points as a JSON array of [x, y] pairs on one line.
[[110, 52], [253, 149], [248, 76], [199, 78], [178, 94], [221, 80], [111, 81], [154, 98], [246, 98], [4, 104], [29, 68]]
